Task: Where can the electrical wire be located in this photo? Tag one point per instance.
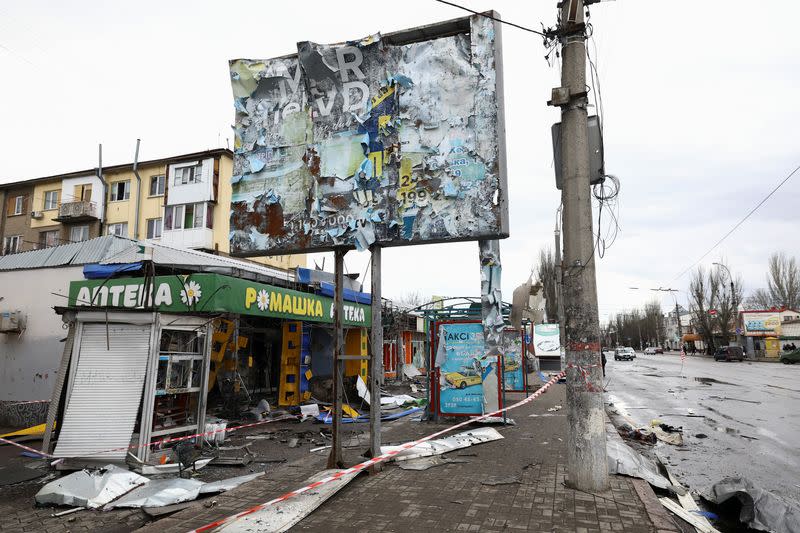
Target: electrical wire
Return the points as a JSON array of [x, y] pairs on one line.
[[545, 33], [736, 226]]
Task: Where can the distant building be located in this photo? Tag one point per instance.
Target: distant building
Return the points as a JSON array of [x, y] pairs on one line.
[[767, 331], [181, 201], [673, 334]]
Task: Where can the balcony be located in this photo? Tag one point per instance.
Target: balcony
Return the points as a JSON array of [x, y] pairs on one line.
[[196, 238], [76, 212]]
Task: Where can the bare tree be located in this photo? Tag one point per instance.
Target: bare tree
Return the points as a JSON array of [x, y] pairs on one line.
[[783, 281], [759, 299], [411, 299], [700, 302], [546, 273], [726, 293], [709, 291]]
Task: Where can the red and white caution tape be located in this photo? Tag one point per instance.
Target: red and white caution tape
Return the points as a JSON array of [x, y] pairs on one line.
[[160, 441], [18, 445], [584, 371], [187, 437], [375, 460]]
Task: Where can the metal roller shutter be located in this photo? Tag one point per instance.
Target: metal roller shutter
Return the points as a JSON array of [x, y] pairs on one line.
[[106, 391]]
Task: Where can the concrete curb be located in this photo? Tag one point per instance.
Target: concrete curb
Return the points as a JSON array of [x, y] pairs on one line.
[[659, 516]]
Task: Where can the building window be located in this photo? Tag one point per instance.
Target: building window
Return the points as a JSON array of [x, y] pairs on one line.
[[186, 175], [18, 205], [153, 228], [120, 190], [82, 193], [79, 233], [120, 229], [12, 244], [51, 200], [157, 184], [48, 238], [184, 216]]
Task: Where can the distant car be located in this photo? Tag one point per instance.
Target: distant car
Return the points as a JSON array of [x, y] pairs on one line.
[[791, 357], [463, 379], [659, 350], [650, 351], [624, 354], [729, 353]]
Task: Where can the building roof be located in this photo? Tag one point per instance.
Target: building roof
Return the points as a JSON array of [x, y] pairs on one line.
[[116, 168], [110, 249], [773, 310]]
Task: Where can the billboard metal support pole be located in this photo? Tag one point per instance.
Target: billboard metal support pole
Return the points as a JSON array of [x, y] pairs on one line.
[[587, 467], [335, 458], [491, 311], [376, 364]]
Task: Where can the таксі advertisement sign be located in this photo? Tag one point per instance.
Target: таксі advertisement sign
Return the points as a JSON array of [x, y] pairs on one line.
[[463, 369]]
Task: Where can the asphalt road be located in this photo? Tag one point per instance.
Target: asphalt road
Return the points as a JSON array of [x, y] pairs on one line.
[[750, 415]]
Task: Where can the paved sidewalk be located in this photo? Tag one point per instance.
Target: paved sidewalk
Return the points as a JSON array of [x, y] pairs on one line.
[[455, 497]]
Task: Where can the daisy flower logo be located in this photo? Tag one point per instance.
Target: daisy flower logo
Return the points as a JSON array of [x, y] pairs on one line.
[[191, 293], [262, 300]]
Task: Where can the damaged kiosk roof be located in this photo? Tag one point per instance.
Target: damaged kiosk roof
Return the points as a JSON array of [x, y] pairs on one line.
[[395, 139]]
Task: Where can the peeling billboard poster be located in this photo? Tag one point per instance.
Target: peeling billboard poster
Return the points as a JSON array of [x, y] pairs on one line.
[[513, 361], [395, 139]]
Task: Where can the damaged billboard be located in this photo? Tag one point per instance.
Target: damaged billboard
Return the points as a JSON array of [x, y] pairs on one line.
[[392, 139]]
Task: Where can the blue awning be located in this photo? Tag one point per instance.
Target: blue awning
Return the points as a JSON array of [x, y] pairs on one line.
[[98, 271], [326, 289]]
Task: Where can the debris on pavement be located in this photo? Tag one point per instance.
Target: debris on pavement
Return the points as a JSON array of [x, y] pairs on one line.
[[507, 480], [168, 468], [554, 408], [491, 420], [424, 463], [701, 525], [622, 459], [761, 509], [159, 492], [639, 434], [688, 502], [92, 489], [281, 516], [448, 444]]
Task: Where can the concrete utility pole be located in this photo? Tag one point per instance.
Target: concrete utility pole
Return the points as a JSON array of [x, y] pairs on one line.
[[587, 468]]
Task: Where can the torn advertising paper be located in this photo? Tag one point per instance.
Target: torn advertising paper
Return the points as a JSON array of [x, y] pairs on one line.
[[394, 140]]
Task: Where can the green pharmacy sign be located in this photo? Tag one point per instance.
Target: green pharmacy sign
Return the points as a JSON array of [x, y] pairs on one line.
[[212, 293]]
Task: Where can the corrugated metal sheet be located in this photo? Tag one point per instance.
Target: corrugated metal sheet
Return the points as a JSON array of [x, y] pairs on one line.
[[94, 250], [193, 259], [106, 391], [62, 255], [110, 249]]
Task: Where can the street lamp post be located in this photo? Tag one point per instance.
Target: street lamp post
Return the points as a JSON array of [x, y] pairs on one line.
[[733, 302]]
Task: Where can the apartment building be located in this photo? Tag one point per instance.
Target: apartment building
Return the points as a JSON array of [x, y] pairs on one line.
[[181, 201]]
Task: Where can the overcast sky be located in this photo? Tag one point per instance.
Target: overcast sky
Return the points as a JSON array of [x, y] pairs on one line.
[[700, 101]]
